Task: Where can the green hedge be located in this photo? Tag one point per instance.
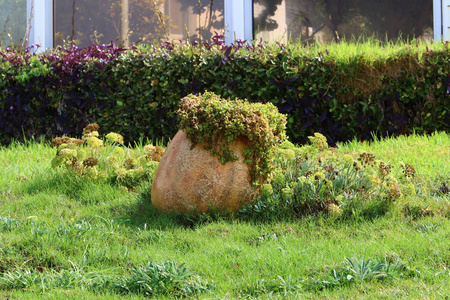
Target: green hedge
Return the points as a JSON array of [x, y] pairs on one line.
[[137, 92]]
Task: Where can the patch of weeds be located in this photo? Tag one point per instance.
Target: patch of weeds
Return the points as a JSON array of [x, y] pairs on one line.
[[256, 241], [167, 278], [427, 228], [149, 280], [73, 229], [281, 286], [8, 224], [270, 236], [44, 280], [359, 270]]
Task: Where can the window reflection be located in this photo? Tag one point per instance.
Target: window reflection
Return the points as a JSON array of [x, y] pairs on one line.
[[327, 20], [198, 19], [269, 19], [13, 20], [85, 22]]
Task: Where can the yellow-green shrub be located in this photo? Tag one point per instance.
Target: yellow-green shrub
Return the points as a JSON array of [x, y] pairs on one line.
[[106, 159]]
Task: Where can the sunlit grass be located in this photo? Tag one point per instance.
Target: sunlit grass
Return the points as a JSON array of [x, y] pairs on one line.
[[72, 233], [429, 154], [370, 50]]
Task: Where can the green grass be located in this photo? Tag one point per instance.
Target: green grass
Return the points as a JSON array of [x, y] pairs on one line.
[[428, 154], [369, 50], [79, 238]]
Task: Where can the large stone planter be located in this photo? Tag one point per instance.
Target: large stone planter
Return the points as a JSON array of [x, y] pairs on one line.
[[190, 179]]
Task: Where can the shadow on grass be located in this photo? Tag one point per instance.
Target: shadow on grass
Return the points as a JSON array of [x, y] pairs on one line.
[[132, 209], [83, 190], [142, 213]]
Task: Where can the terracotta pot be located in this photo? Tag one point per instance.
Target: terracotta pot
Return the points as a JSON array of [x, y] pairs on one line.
[[190, 179]]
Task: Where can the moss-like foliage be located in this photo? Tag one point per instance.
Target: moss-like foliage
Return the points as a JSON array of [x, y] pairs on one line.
[[216, 122]]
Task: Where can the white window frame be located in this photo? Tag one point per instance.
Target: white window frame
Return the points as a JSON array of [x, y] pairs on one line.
[[441, 16], [437, 19], [40, 23], [238, 21]]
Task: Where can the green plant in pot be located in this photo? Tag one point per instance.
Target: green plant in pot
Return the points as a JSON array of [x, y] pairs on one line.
[[221, 155]]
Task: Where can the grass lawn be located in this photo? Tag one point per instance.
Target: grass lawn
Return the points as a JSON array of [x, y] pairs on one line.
[[72, 237]]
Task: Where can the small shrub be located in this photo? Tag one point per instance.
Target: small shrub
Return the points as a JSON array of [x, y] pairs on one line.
[[106, 159], [320, 180]]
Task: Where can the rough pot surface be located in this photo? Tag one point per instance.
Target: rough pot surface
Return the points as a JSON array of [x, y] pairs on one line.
[[190, 179]]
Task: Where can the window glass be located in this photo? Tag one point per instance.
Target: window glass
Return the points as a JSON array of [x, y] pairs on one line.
[[13, 22], [327, 20], [85, 21], [199, 19]]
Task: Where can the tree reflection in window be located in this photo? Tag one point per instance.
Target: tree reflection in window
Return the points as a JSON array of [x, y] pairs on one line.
[[84, 22], [326, 20], [200, 18]]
